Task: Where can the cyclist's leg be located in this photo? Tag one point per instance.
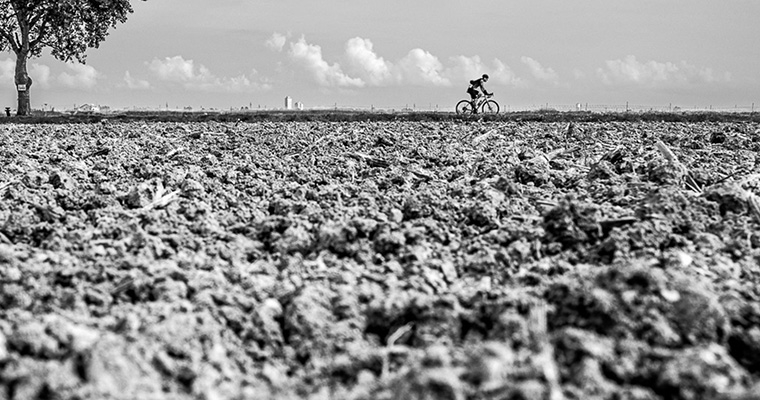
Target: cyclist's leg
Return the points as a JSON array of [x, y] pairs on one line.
[[474, 99], [473, 95]]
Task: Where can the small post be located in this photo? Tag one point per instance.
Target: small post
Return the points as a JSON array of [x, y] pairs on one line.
[[7, 111]]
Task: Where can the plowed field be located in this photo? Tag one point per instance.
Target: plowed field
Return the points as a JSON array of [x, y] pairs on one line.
[[380, 260]]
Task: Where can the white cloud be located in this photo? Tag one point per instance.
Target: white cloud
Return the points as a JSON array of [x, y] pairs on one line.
[[40, 75], [276, 42], [309, 56], [7, 69], [177, 69], [463, 69], [184, 72], [419, 67], [372, 68], [364, 67], [135, 84], [81, 77], [504, 75], [653, 73], [539, 71]]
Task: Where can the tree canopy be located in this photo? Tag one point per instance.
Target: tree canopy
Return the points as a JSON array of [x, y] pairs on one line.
[[66, 27]]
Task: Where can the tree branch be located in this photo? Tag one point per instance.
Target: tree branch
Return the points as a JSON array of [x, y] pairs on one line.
[[41, 32], [8, 28], [23, 26], [6, 34], [33, 21]]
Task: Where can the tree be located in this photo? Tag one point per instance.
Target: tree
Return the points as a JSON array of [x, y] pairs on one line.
[[67, 27]]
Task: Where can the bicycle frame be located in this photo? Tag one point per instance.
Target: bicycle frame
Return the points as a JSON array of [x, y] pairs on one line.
[[481, 99], [471, 105]]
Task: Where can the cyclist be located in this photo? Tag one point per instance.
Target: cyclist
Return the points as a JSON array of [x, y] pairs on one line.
[[473, 91]]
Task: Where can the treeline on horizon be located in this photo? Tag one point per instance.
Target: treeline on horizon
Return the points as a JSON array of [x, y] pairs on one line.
[[360, 116]]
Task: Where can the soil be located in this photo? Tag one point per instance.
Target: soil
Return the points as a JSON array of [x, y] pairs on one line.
[[380, 260]]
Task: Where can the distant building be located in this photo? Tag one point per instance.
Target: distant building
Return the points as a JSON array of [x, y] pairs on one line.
[[299, 106], [88, 108], [288, 103]]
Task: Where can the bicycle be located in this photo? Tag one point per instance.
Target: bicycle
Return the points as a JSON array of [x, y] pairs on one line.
[[484, 103]]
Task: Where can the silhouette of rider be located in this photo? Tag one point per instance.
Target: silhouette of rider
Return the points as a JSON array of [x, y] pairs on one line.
[[473, 90]]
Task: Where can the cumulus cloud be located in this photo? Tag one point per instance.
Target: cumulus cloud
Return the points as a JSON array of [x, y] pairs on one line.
[[7, 68], [309, 56], [363, 60], [39, 73], [364, 67], [653, 73], [539, 71], [463, 68], [135, 84], [420, 67], [177, 70], [276, 42], [81, 76]]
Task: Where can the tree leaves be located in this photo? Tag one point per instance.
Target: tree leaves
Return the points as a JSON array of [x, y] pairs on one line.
[[67, 27]]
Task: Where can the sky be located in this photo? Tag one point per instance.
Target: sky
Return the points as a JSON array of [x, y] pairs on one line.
[[413, 53]]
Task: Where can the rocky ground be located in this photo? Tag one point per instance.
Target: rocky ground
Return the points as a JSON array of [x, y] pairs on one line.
[[380, 260]]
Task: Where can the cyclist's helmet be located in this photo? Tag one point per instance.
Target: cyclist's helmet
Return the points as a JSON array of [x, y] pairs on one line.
[[485, 76]]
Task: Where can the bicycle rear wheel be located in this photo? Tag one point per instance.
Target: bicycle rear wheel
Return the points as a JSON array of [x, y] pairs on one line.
[[464, 107], [490, 107]]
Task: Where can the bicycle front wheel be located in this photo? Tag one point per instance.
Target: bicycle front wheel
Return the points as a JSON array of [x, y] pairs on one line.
[[464, 107], [490, 107]]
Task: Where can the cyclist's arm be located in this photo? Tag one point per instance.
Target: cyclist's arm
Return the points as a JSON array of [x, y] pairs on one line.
[[483, 88]]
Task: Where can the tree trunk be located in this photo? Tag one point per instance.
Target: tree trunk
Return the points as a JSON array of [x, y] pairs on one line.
[[23, 84]]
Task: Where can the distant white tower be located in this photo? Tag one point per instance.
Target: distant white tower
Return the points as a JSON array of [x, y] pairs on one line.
[[299, 106], [288, 103]]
